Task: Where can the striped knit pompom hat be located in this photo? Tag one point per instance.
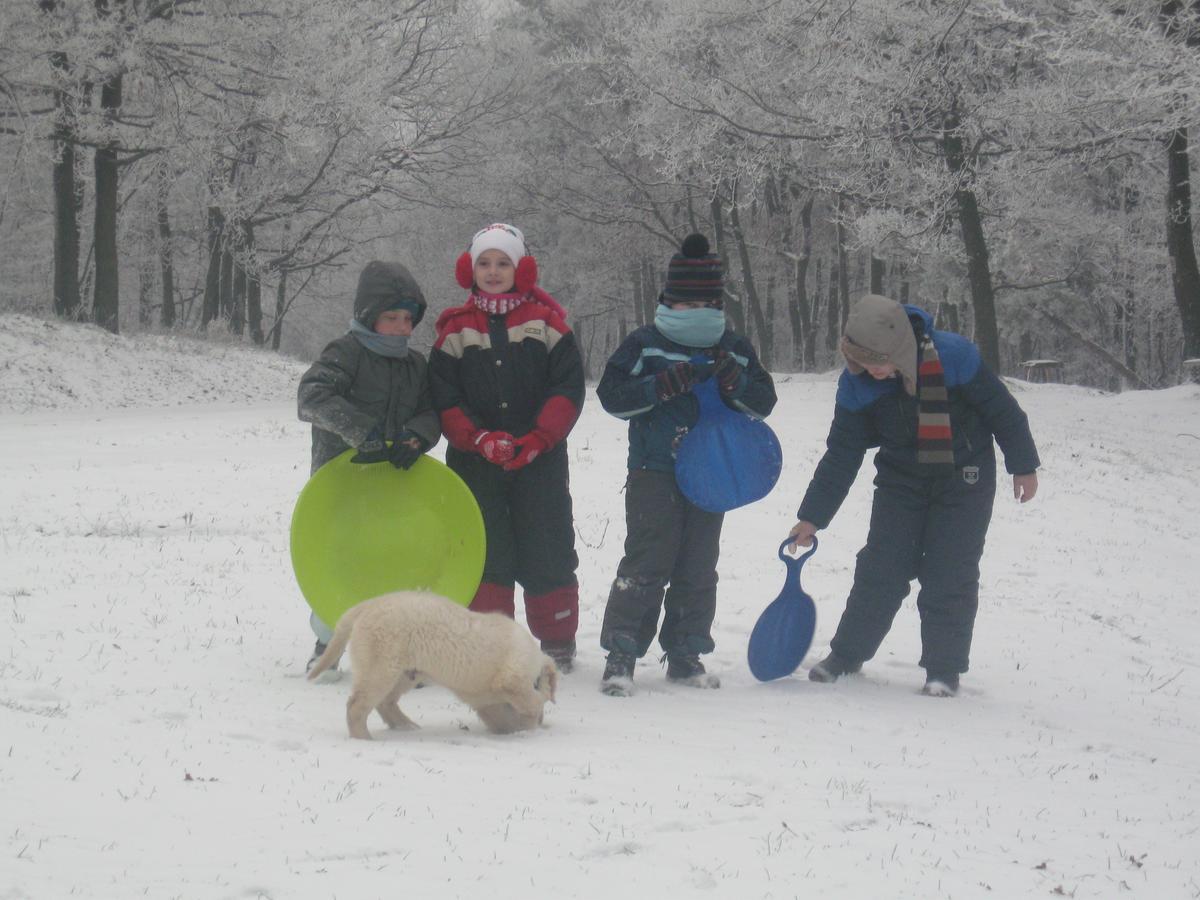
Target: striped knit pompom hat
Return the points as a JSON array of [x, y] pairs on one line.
[[695, 275]]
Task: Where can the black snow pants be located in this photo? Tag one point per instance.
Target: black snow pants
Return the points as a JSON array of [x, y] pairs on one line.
[[528, 519], [668, 540], [931, 530]]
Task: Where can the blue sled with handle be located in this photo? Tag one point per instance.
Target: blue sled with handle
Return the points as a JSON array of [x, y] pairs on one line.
[[728, 459], [784, 630]]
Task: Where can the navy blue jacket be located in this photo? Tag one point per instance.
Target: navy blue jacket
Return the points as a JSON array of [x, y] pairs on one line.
[[627, 391], [871, 413]]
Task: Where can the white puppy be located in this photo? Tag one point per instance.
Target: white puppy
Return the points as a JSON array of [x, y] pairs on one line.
[[486, 659]]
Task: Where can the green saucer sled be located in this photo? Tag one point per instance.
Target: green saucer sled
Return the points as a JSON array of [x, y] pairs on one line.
[[363, 530]]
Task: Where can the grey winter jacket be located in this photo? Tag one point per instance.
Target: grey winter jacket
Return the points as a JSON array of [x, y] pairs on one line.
[[350, 391]]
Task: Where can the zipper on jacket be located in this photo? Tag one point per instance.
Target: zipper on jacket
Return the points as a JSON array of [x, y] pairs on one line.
[[904, 417]]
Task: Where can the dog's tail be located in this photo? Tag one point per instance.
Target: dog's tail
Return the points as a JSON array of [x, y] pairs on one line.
[[337, 643]]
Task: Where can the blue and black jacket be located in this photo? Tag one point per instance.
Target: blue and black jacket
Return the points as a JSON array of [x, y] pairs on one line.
[[627, 390], [871, 413]]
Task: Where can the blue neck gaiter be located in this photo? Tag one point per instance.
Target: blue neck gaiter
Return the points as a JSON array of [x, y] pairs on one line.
[[393, 345], [690, 327]]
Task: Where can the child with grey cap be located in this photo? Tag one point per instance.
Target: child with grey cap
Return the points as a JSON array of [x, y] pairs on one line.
[[927, 401]]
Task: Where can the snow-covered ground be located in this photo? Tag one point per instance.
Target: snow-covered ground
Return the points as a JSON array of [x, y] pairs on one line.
[[157, 738]]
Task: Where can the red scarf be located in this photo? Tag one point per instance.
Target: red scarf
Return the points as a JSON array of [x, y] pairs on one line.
[[503, 304], [497, 304]]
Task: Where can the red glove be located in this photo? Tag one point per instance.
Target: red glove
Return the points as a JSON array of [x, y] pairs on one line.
[[495, 446], [528, 449]]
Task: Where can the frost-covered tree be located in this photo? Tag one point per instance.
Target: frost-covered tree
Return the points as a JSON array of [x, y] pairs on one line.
[[927, 118], [276, 122]]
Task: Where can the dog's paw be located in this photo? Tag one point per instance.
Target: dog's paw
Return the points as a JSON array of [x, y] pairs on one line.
[[329, 676]]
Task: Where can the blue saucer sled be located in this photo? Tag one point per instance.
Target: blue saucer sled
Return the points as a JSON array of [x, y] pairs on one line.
[[784, 631], [727, 459]]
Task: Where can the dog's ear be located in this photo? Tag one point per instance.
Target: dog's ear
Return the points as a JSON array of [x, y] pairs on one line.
[[548, 680]]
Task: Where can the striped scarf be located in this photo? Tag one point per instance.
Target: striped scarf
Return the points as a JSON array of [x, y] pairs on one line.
[[935, 445], [497, 304]]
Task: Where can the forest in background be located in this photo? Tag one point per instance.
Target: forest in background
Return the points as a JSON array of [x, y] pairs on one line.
[[1020, 168]]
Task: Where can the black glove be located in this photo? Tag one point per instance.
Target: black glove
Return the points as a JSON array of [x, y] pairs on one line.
[[372, 449], [728, 372], [674, 380], [407, 449]]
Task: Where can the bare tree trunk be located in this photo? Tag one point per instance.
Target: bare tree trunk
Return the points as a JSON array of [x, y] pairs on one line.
[[237, 316], [795, 326], [843, 275], [979, 274], [814, 302], [579, 326], [67, 300], [639, 284], [226, 276], [237, 298], [1185, 274], [254, 315], [281, 305], [650, 292], [876, 274], [212, 280], [280, 309], [166, 255], [145, 272], [833, 329], [760, 322], [808, 317], [733, 305], [106, 296], [769, 310]]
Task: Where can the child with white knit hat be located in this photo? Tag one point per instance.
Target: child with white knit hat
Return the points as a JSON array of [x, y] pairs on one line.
[[507, 380]]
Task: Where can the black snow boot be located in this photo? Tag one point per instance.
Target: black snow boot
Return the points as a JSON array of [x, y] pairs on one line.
[[940, 684], [618, 674], [831, 668], [686, 668]]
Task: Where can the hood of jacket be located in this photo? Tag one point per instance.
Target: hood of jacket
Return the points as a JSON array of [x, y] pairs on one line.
[[384, 285]]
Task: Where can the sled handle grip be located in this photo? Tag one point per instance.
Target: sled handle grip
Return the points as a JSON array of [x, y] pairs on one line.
[[796, 561]]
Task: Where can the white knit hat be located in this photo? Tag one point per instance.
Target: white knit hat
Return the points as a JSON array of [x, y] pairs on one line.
[[508, 239]]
